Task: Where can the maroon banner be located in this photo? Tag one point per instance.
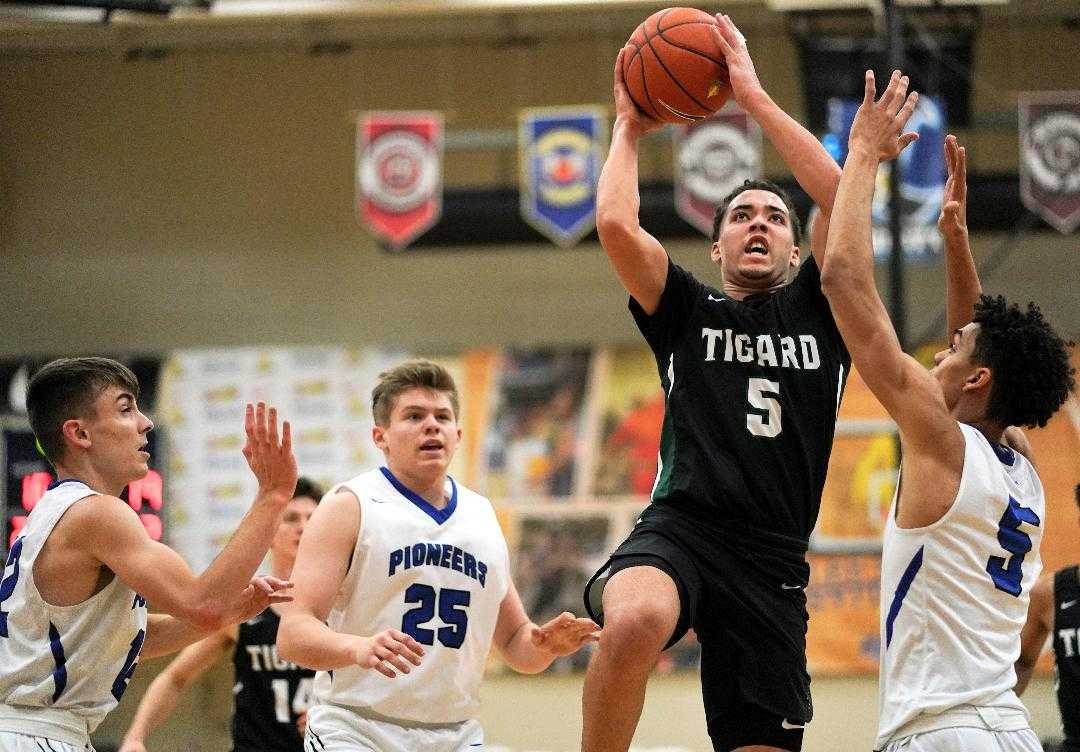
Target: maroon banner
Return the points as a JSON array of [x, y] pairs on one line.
[[1050, 156], [712, 157], [399, 174]]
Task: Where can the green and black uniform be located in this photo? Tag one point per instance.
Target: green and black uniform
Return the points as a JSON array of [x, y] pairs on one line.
[[270, 694], [752, 392], [1067, 653]]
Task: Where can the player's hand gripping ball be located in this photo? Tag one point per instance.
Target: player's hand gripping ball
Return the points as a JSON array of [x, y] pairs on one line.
[[674, 68]]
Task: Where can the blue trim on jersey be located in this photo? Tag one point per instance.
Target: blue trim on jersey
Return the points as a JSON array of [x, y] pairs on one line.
[[439, 515], [60, 672], [901, 592], [58, 483], [1006, 455]]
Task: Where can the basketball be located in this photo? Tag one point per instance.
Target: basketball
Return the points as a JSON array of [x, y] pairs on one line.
[[674, 68]]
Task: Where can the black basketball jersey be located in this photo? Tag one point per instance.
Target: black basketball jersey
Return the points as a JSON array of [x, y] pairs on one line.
[[1067, 652], [753, 388], [270, 693]]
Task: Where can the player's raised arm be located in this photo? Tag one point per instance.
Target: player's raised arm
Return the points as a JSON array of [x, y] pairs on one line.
[[639, 260], [113, 534], [904, 387], [813, 168], [168, 687], [962, 286], [1039, 624], [322, 561], [530, 648]]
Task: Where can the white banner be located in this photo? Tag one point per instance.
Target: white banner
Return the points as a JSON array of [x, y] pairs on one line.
[[323, 391]]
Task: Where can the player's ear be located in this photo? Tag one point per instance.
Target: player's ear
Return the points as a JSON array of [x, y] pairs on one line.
[[979, 378], [796, 254], [378, 435], [76, 434], [715, 253]]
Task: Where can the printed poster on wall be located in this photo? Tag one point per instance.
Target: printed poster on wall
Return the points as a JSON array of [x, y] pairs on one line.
[[922, 182], [324, 392]]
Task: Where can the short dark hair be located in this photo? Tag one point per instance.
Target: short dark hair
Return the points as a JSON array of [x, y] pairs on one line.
[[409, 375], [1029, 360], [758, 185], [67, 388], [309, 488]]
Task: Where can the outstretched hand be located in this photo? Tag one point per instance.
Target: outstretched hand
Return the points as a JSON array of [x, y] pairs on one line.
[[625, 110], [259, 595], [952, 221], [878, 125], [742, 76], [269, 456], [565, 634]]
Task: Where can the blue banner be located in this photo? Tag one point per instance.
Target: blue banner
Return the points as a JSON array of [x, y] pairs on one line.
[[560, 152], [923, 174]]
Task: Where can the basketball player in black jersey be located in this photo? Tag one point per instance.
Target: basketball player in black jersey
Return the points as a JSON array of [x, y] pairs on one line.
[[271, 696], [753, 371], [1055, 609]]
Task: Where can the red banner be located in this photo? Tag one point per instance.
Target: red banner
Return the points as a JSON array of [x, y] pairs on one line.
[[712, 157], [399, 174], [1050, 156]]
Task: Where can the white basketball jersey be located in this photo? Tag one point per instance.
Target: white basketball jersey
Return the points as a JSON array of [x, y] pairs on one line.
[[954, 594], [64, 667], [438, 575]]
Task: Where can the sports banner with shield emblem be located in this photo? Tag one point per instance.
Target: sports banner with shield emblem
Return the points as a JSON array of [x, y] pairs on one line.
[[559, 152], [1050, 156], [712, 157], [399, 174]]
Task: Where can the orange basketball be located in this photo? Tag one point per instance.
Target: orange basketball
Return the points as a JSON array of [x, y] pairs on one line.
[[674, 68]]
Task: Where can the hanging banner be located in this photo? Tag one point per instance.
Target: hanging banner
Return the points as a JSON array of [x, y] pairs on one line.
[[712, 157], [1050, 156], [560, 154], [399, 174], [922, 167]]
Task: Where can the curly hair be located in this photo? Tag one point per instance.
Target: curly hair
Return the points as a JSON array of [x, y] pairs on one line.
[[757, 185], [1029, 360]]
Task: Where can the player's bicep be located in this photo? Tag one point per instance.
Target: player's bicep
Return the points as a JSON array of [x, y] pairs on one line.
[[903, 386], [112, 533], [323, 559], [640, 262], [819, 234]]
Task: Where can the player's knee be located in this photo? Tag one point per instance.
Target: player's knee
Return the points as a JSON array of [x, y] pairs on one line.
[[637, 627]]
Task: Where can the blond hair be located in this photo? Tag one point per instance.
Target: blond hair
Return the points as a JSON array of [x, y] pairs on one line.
[[412, 374]]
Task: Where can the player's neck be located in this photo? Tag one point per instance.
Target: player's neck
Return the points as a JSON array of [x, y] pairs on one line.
[[737, 291], [81, 470], [992, 431], [972, 411], [430, 487]]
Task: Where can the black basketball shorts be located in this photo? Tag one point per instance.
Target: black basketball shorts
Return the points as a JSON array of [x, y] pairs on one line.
[[746, 602]]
